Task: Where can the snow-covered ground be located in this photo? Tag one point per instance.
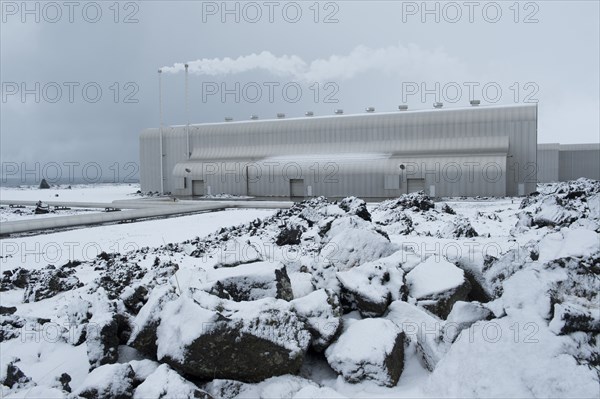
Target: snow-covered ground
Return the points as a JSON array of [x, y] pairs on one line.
[[407, 298], [97, 193]]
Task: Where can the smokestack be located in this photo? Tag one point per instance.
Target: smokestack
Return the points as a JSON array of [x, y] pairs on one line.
[[160, 131], [187, 114]]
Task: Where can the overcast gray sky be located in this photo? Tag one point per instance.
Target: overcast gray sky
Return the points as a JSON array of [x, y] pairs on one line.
[[267, 57]]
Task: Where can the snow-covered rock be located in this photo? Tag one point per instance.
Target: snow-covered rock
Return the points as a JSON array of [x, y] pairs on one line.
[[459, 227], [321, 312], [369, 349], [372, 286], [355, 206], [352, 241], [111, 381], [247, 341], [12, 377], [420, 327], [164, 382], [236, 252], [437, 284], [462, 316], [511, 357], [46, 283], [249, 282]]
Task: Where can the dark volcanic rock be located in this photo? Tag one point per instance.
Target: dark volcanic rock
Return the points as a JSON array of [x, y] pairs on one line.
[[355, 206], [7, 310], [382, 363], [247, 341], [48, 282], [321, 311], [289, 235], [113, 381], [437, 284], [14, 376], [253, 281], [372, 286]]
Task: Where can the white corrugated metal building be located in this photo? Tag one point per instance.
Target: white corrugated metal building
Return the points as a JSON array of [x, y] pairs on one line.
[[562, 162], [477, 150]]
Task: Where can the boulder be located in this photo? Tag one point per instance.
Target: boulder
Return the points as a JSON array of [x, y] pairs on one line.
[[414, 201], [7, 310], [236, 252], [355, 206], [322, 313], [48, 282], [246, 341], [372, 286], [437, 284], [369, 349], [250, 282], [352, 241], [111, 381], [458, 228], [11, 326], [463, 316], [164, 382], [63, 382], [421, 328], [289, 235], [12, 376], [575, 316], [143, 337]]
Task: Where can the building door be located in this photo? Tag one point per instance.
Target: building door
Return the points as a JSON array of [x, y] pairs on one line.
[[297, 188], [414, 185], [197, 187]]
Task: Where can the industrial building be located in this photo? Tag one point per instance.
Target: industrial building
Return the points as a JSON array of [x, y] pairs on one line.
[[476, 150], [562, 162]]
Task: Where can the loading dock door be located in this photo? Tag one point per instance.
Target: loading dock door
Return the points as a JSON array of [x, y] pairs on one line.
[[414, 185], [198, 187], [297, 187]]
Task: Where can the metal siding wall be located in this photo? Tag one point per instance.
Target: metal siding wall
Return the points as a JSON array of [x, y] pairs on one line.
[[254, 140], [574, 164], [149, 161], [548, 165]]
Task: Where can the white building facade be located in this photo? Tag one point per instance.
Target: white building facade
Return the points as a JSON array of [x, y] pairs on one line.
[[479, 150]]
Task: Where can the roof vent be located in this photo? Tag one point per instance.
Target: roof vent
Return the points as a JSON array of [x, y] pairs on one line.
[[402, 107], [253, 117], [438, 105], [475, 102], [228, 119], [309, 113], [280, 116], [339, 111], [370, 109]]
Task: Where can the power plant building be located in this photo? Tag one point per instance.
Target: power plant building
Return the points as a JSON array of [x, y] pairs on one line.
[[472, 151]]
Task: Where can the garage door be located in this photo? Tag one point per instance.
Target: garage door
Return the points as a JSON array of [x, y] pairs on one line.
[[297, 187], [414, 185], [197, 187]]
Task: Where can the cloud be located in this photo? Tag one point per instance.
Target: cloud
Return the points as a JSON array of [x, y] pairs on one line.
[[390, 60]]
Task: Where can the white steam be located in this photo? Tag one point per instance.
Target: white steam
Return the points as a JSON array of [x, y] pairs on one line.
[[389, 60]]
